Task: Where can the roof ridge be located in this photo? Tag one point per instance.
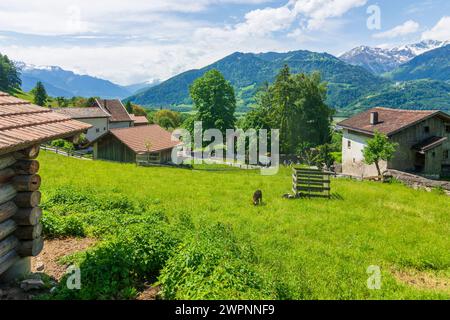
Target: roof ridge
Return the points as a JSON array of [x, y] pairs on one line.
[[407, 110]]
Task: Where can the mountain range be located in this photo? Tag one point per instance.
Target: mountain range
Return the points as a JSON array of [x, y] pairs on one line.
[[381, 60], [62, 83]]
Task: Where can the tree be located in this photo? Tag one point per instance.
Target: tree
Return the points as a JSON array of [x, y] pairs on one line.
[[379, 148], [40, 95], [129, 107], [167, 118], [295, 104], [214, 100], [9, 75]]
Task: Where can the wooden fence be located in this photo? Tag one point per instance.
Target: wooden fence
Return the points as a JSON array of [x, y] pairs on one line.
[[311, 183], [66, 152]]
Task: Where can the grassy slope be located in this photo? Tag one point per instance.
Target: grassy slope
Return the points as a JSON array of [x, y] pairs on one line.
[[320, 248]]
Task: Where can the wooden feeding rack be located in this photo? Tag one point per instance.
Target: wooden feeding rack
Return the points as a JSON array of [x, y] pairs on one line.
[[311, 183]]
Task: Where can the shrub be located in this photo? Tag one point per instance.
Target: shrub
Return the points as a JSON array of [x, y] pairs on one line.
[[211, 265]]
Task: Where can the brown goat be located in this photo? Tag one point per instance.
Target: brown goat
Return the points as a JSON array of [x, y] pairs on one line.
[[257, 197]]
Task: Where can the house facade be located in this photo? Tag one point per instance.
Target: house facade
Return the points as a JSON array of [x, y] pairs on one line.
[[423, 139], [96, 117], [151, 144], [119, 118]]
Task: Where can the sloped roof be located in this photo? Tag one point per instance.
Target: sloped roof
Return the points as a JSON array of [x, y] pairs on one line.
[[429, 144], [138, 138], [115, 108], [23, 124], [83, 113], [390, 121], [139, 119]]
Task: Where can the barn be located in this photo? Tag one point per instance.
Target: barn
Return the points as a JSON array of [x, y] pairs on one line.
[[150, 144], [23, 127]]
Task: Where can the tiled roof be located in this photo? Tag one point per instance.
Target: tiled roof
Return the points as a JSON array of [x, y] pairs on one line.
[[115, 108], [390, 121], [139, 119], [139, 138], [429, 144], [83, 113], [23, 124]]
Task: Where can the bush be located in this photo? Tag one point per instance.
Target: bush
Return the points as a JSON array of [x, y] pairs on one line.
[[211, 265]]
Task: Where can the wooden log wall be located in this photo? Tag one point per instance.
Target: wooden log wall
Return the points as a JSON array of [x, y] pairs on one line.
[[20, 228]]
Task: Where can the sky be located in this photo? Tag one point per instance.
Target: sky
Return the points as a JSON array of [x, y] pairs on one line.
[[134, 41]]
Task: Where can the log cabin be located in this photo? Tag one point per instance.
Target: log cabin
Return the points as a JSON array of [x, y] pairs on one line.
[[23, 127], [423, 138]]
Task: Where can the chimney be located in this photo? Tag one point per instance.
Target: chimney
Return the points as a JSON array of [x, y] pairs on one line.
[[373, 118]]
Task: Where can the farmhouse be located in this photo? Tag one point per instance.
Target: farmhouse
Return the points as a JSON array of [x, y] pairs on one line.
[[150, 143], [120, 118], [423, 139], [98, 118], [139, 120], [23, 127]]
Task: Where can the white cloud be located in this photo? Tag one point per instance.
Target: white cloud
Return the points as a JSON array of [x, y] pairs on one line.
[[406, 28], [441, 31]]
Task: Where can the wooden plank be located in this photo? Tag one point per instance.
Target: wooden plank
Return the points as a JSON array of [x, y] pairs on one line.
[[311, 195], [311, 183], [8, 244], [7, 193], [28, 216], [29, 232], [8, 260], [7, 210], [307, 169], [26, 167], [313, 189], [7, 228], [27, 182], [28, 199], [31, 248], [6, 175], [7, 161]]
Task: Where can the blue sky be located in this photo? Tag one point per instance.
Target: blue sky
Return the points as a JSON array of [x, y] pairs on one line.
[[140, 40]]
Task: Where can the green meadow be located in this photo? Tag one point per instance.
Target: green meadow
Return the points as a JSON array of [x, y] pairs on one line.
[[284, 249]]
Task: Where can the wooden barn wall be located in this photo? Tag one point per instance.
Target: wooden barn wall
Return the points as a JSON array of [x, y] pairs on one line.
[[110, 148]]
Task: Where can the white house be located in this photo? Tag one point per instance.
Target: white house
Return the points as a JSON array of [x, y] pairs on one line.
[[119, 118]]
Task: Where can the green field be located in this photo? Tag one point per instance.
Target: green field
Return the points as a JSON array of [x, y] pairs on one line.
[[302, 249]]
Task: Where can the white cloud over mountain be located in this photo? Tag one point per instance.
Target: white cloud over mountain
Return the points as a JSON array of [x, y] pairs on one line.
[[441, 31], [404, 29]]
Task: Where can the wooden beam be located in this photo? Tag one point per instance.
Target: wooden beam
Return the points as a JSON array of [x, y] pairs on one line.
[[6, 161], [26, 167], [8, 244], [7, 193], [28, 216], [7, 261], [7, 228], [6, 175], [29, 232], [30, 248], [27, 182], [28, 199], [7, 210], [28, 153]]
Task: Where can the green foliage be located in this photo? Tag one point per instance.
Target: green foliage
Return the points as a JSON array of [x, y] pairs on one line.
[[9, 75], [212, 265], [294, 104], [40, 95], [64, 144], [167, 118], [379, 148], [214, 100]]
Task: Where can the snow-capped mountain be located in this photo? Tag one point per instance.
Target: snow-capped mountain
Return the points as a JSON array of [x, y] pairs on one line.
[[60, 82], [381, 60]]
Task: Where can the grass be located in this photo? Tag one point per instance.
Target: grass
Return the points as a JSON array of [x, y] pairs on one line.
[[313, 249]]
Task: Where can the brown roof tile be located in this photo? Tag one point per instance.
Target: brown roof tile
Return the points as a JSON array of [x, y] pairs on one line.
[[23, 124], [115, 108], [390, 121], [136, 138], [83, 113], [139, 119]]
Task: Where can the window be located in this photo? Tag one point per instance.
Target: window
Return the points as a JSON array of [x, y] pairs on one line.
[[427, 129], [97, 130], [104, 129], [349, 144], [447, 128], [446, 154]]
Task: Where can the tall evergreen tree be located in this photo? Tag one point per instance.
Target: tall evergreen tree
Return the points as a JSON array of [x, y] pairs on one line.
[[9, 75], [40, 94]]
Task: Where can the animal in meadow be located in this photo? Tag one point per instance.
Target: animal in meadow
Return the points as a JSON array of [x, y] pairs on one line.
[[257, 197]]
